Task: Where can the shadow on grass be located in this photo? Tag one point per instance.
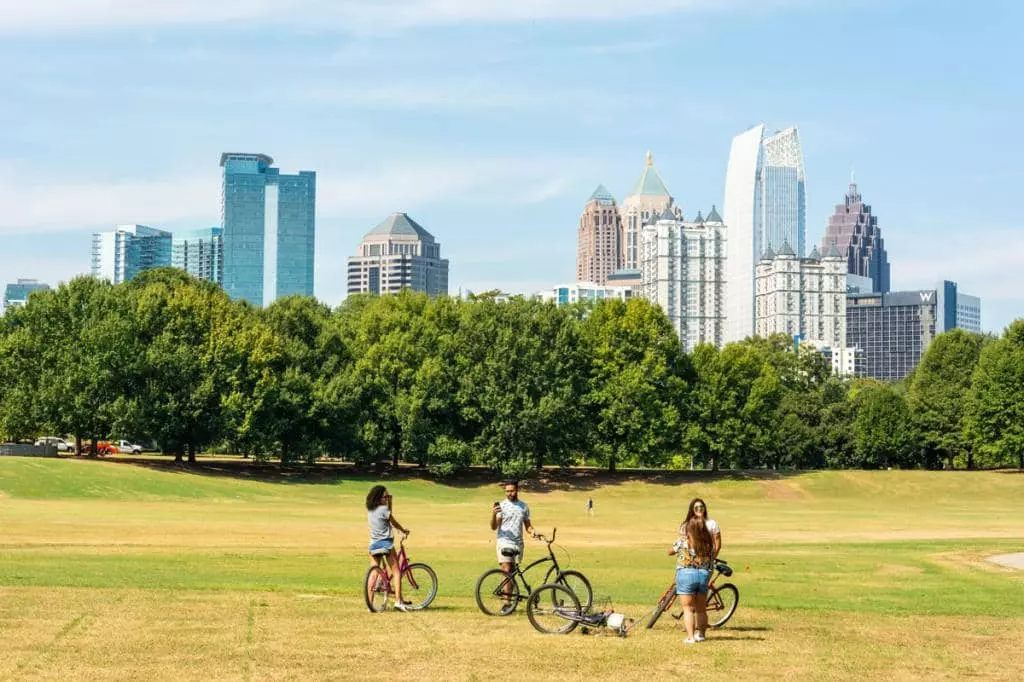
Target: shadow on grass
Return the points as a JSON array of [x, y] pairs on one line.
[[336, 472]]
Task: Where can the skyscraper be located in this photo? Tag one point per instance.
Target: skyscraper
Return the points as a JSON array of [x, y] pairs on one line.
[[765, 207], [17, 293], [125, 251], [649, 199], [855, 233], [683, 271], [398, 254], [598, 245], [200, 253], [269, 229]]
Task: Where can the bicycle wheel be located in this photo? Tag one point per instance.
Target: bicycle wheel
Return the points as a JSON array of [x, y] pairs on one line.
[[419, 586], [497, 593], [375, 589], [722, 603], [578, 584], [663, 605], [553, 609]]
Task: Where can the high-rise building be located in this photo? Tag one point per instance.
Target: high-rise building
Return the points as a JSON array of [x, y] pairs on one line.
[[398, 254], [765, 207], [16, 293], [269, 229], [683, 271], [649, 199], [854, 231], [567, 294], [598, 246], [968, 312], [200, 253], [894, 330], [127, 250], [804, 298]]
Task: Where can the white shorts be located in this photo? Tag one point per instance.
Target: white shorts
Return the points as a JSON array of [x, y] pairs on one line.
[[505, 544]]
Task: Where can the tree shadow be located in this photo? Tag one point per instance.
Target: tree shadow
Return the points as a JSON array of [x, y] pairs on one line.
[[334, 472]]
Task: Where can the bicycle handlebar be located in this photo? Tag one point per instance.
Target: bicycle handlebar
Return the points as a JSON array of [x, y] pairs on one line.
[[540, 536]]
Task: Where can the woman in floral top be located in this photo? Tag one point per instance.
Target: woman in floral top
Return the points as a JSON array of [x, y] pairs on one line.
[[695, 550]]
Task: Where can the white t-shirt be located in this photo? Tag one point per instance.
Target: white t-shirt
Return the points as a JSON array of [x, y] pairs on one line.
[[512, 516], [380, 523]]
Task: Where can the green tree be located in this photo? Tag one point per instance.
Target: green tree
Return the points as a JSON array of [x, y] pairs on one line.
[[938, 390], [637, 388], [995, 402], [883, 433]]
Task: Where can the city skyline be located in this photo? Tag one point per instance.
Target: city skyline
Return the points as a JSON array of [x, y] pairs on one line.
[[448, 139]]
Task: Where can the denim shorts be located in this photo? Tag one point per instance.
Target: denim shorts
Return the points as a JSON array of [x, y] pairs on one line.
[[382, 546], [692, 580]]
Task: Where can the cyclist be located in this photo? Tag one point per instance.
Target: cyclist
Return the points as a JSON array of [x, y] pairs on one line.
[[382, 541], [509, 517], [700, 540]]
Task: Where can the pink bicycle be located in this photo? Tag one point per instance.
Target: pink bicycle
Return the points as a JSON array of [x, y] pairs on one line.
[[419, 583]]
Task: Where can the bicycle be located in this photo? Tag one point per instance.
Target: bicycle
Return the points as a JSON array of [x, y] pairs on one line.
[[417, 579], [499, 593], [554, 610], [722, 600]]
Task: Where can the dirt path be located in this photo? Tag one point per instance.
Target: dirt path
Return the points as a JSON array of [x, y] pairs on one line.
[[1009, 560]]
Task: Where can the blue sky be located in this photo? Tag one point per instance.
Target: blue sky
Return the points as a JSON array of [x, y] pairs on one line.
[[491, 122]]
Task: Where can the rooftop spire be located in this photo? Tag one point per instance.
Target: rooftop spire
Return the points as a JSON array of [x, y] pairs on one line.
[[650, 158]]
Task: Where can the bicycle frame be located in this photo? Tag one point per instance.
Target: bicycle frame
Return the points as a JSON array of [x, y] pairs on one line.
[[518, 571], [669, 596], [403, 563]]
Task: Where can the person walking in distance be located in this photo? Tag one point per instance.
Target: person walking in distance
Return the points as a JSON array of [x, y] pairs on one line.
[[700, 540], [509, 517], [382, 541], [590, 506]]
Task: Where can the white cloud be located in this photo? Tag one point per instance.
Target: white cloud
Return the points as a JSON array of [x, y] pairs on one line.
[[18, 16], [370, 191]]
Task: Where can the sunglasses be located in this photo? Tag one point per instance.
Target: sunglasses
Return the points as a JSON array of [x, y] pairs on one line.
[[698, 506]]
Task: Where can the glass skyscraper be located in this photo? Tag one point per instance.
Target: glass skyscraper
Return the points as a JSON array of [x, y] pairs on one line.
[[269, 229], [765, 209], [200, 253], [127, 250]]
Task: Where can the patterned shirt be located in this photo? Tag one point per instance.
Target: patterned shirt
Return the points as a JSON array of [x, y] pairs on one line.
[[513, 516]]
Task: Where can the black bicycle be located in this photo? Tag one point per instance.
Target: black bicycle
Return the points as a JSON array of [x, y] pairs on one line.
[[499, 593]]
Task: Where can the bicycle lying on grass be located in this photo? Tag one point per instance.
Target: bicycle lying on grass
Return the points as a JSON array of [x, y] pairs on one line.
[[499, 593], [722, 599], [419, 583]]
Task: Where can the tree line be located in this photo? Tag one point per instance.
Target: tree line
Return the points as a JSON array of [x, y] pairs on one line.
[[513, 385]]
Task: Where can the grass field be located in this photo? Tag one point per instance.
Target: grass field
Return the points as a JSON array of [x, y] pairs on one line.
[[115, 571]]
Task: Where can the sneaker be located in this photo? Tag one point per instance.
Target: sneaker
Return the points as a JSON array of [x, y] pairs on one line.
[[697, 637], [402, 606], [689, 640]]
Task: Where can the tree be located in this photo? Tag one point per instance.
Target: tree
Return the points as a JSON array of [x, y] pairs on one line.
[[995, 402], [938, 392], [883, 434], [637, 387]]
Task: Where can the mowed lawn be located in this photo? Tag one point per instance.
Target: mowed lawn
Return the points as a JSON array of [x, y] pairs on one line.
[[115, 571]]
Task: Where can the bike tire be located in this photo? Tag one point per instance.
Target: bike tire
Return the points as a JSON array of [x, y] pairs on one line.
[[722, 602], [553, 609], [376, 589], [419, 586], [578, 584], [490, 591], [663, 605]]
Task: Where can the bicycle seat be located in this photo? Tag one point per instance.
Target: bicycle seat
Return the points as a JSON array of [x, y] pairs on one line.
[[724, 568], [509, 551]]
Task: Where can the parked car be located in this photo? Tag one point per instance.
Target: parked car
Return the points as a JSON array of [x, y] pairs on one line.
[[126, 448], [59, 443]]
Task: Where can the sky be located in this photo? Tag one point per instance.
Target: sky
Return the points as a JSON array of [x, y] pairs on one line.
[[491, 122]]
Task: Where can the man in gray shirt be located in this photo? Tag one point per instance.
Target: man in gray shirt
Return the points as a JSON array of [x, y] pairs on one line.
[[509, 517]]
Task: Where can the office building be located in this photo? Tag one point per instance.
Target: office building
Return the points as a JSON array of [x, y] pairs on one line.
[[683, 271], [566, 294], [854, 231], [765, 207], [200, 253], [598, 246], [127, 250], [968, 312], [269, 229], [649, 199], [804, 298], [398, 254], [16, 293], [894, 330]]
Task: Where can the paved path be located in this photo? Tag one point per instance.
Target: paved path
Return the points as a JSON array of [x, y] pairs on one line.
[[1009, 560]]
